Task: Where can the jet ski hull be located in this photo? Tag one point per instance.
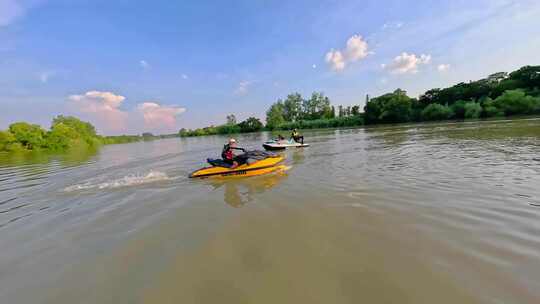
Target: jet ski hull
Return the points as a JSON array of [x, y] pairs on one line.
[[260, 167], [274, 146]]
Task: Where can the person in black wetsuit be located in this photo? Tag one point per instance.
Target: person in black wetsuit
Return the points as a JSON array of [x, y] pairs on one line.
[[228, 155], [297, 137]]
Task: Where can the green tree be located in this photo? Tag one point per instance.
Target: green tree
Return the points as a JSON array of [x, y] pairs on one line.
[[147, 136], [292, 107], [389, 108], [223, 129], [416, 110], [61, 138], [355, 110], [251, 124], [430, 96], [274, 115], [327, 113], [397, 109], [459, 109], [66, 132], [436, 111], [526, 78], [372, 111], [316, 107], [489, 108], [85, 129], [8, 142], [29, 136], [516, 102], [183, 132], [231, 119], [461, 91], [472, 110]]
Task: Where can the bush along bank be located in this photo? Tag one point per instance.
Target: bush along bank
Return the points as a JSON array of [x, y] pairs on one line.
[[66, 133]]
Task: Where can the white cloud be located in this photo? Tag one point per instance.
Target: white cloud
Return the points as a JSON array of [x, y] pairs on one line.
[[9, 11], [243, 87], [157, 116], [425, 59], [103, 110], [355, 50], [443, 67], [336, 60], [102, 107], [144, 64], [184, 76], [314, 66], [407, 63]]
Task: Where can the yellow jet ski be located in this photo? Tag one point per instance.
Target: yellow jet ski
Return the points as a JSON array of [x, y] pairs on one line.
[[266, 163]]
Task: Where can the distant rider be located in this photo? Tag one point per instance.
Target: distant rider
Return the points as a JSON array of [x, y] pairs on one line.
[[297, 137], [228, 155]]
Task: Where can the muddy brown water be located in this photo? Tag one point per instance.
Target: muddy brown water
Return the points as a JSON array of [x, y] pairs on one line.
[[420, 213]]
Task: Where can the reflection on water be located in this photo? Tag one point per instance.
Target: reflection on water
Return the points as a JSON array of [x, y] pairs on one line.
[[70, 158], [26, 173], [389, 136], [298, 156], [420, 213], [238, 192]]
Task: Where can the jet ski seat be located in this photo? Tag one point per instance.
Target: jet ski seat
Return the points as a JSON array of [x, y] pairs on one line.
[[218, 163]]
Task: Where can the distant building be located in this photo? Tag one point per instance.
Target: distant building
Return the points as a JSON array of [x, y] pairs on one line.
[[497, 77]]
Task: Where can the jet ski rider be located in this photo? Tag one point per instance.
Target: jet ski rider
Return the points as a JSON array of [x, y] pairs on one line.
[[228, 155], [297, 137]]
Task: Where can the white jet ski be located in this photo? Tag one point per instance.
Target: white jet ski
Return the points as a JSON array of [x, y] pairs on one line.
[[273, 145]]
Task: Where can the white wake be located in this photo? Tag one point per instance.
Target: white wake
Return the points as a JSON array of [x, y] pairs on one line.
[[126, 181]]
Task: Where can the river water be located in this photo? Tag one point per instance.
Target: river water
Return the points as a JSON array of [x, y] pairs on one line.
[[425, 213]]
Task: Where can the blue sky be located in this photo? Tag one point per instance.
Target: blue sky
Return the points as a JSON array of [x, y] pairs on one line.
[[133, 66]]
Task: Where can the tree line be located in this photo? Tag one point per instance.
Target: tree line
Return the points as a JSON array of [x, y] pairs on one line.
[[308, 113], [293, 112], [500, 94], [251, 124], [66, 133]]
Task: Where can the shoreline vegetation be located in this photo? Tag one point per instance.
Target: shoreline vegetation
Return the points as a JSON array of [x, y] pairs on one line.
[[499, 95], [67, 133]]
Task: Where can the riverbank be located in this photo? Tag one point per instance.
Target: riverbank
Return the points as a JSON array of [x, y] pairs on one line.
[[352, 122], [337, 122], [66, 134]]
